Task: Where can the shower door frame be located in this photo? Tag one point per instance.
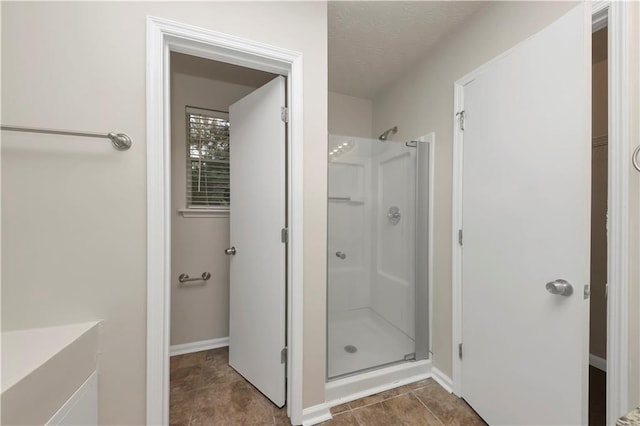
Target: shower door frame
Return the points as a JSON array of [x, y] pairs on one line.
[[163, 37], [428, 140]]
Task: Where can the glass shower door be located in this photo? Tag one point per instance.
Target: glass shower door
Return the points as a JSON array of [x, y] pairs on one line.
[[371, 259]]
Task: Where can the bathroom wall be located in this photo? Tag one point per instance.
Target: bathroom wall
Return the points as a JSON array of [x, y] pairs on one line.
[[393, 184], [349, 279], [200, 310], [422, 101], [350, 116], [350, 223], [74, 210], [599, 169]]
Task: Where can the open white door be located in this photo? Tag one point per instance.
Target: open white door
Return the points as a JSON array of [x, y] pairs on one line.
[[258, 260], [526, 212]]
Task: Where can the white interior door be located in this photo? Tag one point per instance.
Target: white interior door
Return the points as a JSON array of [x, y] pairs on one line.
[[526, 212], [258, 214]]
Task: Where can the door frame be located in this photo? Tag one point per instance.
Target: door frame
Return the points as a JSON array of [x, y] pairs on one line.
[[615, 16], [163, 37]]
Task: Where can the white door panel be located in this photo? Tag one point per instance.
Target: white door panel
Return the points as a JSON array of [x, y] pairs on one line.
[[258, 202], [526, 213]]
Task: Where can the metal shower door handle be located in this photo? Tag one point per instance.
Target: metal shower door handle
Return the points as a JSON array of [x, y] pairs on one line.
[[560, 287], [231, 251]]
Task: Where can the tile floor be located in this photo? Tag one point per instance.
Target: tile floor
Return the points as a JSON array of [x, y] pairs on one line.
[[206, 391]]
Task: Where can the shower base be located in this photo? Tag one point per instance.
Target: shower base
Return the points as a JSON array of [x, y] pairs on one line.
[[376, 341]]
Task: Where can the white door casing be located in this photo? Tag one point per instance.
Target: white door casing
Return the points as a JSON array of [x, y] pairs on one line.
[[257, 310], [525, 220]]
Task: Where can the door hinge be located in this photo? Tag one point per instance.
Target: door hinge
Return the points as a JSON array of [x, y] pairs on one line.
[[460, 350], [460, 236], [284, 114], [460, 115], [284, 235], [283, 355], [587, 291]]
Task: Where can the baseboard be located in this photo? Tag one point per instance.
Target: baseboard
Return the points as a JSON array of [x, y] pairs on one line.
[[365, 384], [442, 379], [202, 345], [316, 414], [597, 362]]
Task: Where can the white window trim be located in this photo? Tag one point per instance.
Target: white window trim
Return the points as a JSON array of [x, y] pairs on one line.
[[204, 212]]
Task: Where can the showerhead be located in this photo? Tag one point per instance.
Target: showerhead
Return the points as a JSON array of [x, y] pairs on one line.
[[385, 134]]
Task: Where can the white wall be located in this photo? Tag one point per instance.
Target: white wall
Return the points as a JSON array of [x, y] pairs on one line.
[[422, 101], [393, 184], [74, 210], [199, 310], [349, 285], [350, 116], [349, 226]]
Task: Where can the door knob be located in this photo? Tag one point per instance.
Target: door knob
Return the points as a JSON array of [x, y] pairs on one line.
[[231, 251], [560, 287]]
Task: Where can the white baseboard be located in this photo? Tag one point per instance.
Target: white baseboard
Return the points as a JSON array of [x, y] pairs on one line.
[[316, 414], [597, 362], [442, 379], [359, 386], [203, 345]]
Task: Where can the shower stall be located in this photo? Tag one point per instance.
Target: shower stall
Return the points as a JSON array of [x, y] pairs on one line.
[[378, 260]]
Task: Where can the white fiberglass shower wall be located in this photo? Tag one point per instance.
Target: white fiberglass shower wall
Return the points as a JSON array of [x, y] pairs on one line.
[[374, 215]]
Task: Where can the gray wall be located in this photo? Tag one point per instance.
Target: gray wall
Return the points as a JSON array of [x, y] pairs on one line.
[[199, 311]]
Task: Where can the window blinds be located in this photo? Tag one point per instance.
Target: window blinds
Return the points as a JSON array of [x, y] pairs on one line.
[[207, 159]]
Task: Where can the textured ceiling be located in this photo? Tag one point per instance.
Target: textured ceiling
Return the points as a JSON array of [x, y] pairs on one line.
[[373, 43]]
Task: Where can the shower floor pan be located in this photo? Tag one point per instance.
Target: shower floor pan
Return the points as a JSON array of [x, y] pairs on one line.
[[375, 340]]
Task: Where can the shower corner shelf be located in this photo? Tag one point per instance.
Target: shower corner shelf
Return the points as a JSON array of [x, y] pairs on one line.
[[347, 199]]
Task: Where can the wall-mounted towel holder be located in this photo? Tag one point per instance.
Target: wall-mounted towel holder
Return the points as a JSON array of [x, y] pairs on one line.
[[120, 141], [184, 278], [634, 158]]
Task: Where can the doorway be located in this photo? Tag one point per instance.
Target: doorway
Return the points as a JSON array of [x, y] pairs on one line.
[[598, 266], [165, 37], [618, 171], [211, 292]]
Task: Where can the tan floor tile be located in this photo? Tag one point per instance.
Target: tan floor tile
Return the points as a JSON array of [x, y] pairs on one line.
[[374, 399], [190, 360], [373, 415], [280, 416], [409, 411], [340, 408], [447, 407], [187, 378], [180, 413], [237, 403], [342, 419]]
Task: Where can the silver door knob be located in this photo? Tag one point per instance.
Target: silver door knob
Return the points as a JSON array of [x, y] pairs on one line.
[[231, 251], [560, 287], [341, 255]]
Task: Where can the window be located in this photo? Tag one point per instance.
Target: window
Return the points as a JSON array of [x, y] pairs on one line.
[[207, 159]]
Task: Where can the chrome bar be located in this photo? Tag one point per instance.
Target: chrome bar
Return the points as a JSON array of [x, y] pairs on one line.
[[120, 141], [634, 158], [184, 278], [339, 198]]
